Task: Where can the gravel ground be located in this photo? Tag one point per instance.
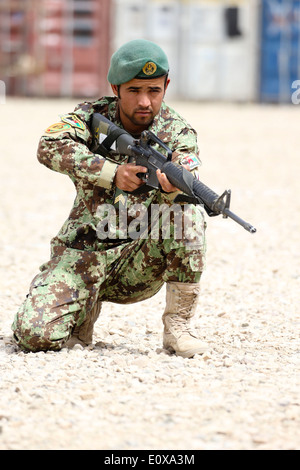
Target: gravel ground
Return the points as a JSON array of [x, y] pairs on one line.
[[125, 392]]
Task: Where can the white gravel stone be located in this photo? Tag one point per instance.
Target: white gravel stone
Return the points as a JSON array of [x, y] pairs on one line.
[[125, 392]]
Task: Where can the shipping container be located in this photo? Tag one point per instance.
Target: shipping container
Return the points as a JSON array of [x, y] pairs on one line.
[[280, 49], [239, 54], [128, 21], [219, 50], [163, 28], [15, 59], [55, 47], [154, 20]]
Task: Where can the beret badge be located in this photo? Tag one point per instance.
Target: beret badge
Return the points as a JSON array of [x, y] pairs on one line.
[[149, 68]]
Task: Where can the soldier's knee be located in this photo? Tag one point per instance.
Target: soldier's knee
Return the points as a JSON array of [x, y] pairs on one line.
[[34, 342], [34, 338], [35, 329]]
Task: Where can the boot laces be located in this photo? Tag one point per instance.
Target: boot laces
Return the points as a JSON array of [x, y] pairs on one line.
[[187, 304], [181, 326]]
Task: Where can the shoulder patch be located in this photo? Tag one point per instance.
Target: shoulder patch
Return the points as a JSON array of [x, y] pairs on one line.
[[191, 160], [73, 121], [57, 127]]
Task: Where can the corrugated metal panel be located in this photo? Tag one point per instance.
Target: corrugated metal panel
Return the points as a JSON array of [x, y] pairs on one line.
[[91, 47], [128, 21], [44, 43], [155, 20], [219, 49], [201, 36], [163, 28], [15, 60], [239, 55], [280, 52]]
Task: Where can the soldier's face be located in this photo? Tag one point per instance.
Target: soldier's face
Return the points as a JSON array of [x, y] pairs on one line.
[[140, 101]]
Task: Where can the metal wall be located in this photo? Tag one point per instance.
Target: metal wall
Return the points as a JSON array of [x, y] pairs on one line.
[[230, 50], [212, 45], [220, 50], [280, 49], [55, 47]]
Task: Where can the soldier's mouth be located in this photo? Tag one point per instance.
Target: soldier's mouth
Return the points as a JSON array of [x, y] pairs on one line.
[[143, 113]]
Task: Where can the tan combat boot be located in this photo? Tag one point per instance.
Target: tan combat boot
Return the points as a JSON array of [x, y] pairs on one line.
[[83, 334], [181, 303]]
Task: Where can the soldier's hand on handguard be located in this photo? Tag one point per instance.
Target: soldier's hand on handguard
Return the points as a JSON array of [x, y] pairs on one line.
[[126, 176], [165, 183]]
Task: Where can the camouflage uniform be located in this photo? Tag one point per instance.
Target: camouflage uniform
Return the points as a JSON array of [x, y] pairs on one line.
[[85, 270]]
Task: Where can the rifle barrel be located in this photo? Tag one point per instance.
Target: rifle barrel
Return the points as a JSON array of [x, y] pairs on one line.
[[236, 218]]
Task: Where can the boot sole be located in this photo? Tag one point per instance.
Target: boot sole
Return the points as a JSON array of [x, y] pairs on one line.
[[186, 354]]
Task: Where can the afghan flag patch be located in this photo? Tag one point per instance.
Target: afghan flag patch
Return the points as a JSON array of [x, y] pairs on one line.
[[192, 161]]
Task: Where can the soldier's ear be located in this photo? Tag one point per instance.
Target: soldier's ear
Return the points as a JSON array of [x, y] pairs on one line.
[[167, 81], [116, 90]]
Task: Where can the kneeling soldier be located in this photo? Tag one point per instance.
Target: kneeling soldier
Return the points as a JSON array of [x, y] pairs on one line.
[[85, 270]]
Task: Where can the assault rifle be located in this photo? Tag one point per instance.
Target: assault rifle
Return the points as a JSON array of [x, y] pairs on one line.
[[142, 152]]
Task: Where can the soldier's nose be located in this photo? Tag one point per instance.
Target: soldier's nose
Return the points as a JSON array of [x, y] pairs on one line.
[[144, 101]]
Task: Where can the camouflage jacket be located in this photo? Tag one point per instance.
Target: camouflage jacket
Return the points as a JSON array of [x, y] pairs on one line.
[[66, 147]]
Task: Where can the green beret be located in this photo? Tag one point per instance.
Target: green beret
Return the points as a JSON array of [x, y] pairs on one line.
[[137, 59]]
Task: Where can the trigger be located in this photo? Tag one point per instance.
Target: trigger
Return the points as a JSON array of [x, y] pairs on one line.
[[143, 176]]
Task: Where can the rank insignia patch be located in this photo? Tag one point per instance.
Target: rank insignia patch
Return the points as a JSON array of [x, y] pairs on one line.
[[74, 121], [58, 127], [120, 198]]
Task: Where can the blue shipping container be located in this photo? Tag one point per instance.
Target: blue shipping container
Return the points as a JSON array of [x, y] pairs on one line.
[[280, 49]]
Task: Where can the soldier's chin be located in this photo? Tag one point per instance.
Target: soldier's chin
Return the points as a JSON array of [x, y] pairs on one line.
[[143, 118]]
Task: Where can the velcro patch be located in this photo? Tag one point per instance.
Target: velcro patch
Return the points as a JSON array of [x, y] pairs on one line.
[[74, 121], [58, 127], [191, 160]]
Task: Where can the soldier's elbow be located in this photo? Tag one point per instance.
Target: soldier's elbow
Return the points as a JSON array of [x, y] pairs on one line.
[[42, 151]]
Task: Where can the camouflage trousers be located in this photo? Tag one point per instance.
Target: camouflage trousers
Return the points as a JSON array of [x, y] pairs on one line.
[[71, 283]]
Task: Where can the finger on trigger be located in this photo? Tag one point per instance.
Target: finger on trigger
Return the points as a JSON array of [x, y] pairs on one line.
[[141, 169]]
